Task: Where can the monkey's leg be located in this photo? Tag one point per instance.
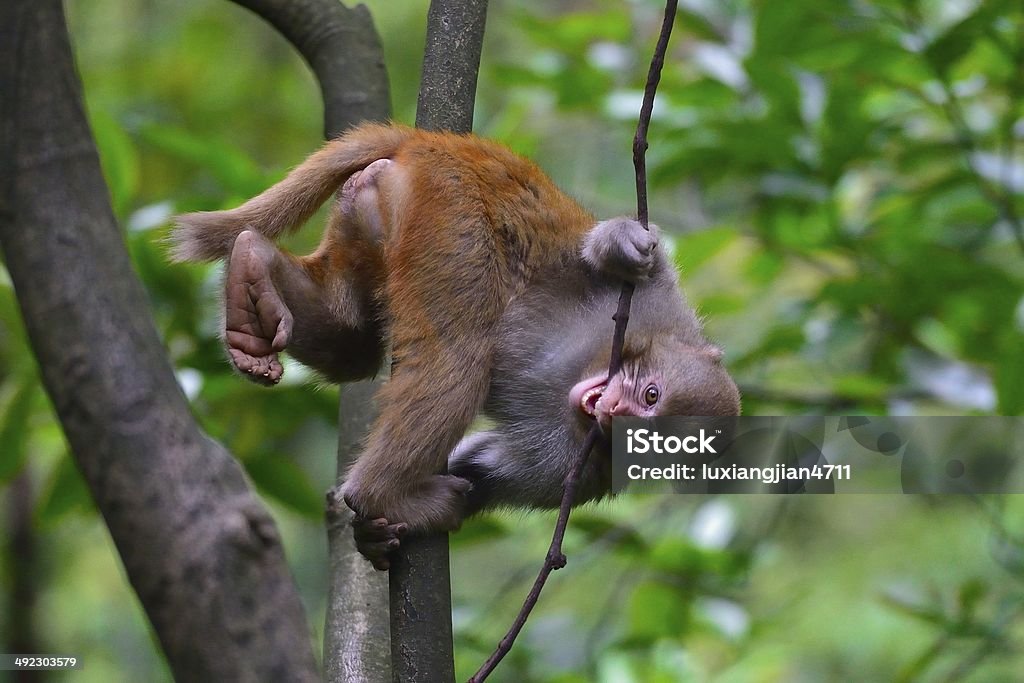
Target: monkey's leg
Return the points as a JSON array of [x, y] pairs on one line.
[[472, 461], [322, 308], [376, 539], [503, 470], [426, 406], [478, 459]]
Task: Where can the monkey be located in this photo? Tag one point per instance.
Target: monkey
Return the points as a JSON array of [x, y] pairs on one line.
[[494, 290]]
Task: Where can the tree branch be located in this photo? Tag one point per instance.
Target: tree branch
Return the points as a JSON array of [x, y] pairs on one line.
[[420, 578], [200, 550], [555, 558], [342, 48], [451, 64], [357, 633]]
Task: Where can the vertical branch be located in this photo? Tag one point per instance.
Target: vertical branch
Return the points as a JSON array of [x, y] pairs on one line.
[[343, 49], [647, 107], [24, 578], [357, 631], [555, 558], [451, 64], [420, 579]]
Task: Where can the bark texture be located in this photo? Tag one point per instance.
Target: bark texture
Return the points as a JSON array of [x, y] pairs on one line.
[[200, 550], [342, 47], [420, 578], [357, 635], [451, 64]]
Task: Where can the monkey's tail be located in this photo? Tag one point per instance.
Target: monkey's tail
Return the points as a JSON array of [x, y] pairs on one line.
[[209, 235]]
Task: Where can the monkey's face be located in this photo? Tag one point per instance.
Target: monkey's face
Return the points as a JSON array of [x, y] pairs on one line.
[[666, 378]]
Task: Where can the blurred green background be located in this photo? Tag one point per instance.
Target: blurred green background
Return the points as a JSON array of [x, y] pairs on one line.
[[841, 186]]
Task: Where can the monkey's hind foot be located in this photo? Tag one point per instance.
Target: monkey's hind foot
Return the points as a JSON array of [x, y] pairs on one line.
[[376, 539], [435, 504], [258, 324]]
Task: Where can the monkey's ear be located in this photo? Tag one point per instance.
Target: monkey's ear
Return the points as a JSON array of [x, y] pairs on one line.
[[714, 353]]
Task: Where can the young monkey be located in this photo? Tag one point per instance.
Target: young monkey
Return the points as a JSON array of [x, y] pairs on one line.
[[496, 292]]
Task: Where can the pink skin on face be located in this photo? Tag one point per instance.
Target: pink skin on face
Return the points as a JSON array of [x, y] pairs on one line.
[[596, 398]]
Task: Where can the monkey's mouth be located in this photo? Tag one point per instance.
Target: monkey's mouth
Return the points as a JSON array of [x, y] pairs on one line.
[[589, 399]]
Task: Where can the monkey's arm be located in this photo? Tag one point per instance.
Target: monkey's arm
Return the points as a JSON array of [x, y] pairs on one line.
[[622, 248], [475, 460], [508, 470]]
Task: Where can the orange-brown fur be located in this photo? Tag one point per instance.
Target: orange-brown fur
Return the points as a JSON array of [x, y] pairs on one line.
[[466, 223], [495, 291]]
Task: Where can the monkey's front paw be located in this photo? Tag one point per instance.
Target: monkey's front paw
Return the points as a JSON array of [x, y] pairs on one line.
[[376, 539], [257, 323], [622, 247]]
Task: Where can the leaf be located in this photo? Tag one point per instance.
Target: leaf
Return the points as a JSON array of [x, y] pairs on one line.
[[915, 606], [118, 158], [285, 481], [721, 304], [65, 493], [861, 387], [784, 29], [1009, 375], [762, 267], [599, 529], [694, 23], [959, 39], [846, 131], [573, 32], [234, 169], [938, 337], [14, 427], [783, 339], [970, 594], [581, 86], [479, 529], [695, 248], [656, 610]]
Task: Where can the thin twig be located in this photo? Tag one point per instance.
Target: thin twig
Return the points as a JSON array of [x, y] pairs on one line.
[[555, 558]]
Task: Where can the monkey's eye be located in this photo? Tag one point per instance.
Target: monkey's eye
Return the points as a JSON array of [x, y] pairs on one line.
[[651, 394]]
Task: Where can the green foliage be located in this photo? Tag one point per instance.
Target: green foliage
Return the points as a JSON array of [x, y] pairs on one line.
[[840, 185], [64, 494], [14, 427], [842, 182]]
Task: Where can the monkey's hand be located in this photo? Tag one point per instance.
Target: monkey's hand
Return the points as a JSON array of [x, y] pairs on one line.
[[258, 324], [376, 539], [621, 247]]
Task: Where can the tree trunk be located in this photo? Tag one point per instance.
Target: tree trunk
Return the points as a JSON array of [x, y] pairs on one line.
[[420, 578], [198, 547]]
